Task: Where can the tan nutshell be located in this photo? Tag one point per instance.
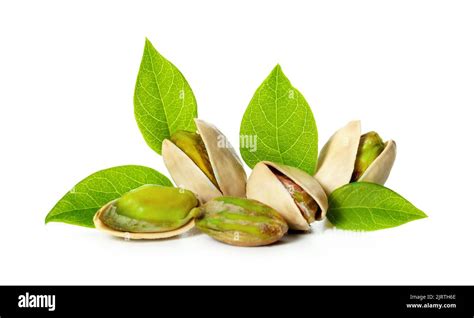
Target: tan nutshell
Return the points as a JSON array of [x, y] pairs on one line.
[[379, 170], [264, 186], [227, 168], [338, 157], [136, 236]]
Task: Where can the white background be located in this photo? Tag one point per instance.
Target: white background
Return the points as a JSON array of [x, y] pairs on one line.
[[67, 76]]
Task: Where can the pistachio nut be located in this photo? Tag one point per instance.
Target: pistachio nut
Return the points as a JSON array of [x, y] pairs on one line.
[[149, 212], [349, 157], [241, 222], [370, 147], [204, 162], [192, 145], [296, 195]]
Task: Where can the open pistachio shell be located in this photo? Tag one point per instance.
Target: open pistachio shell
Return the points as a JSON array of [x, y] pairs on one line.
[[264, 186], [186, 173], [379, 170], [338, 156], [228, 170], [136, 236]]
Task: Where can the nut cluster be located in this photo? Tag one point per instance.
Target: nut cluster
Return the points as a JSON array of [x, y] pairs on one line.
[[215, 196]]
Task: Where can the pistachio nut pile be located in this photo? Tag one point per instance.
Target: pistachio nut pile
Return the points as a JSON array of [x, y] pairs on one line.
[[291, 184], [215, 196]]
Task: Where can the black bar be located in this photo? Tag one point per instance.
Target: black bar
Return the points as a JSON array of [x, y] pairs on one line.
[[376, 301]]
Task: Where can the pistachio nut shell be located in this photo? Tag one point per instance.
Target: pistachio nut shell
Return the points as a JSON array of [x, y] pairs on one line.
[[370, 148], [337, 158], [186, 174], [241, 222], [227, 168], [192, 145], [136, 236], [379, 170], [265, 187], [149, 209]]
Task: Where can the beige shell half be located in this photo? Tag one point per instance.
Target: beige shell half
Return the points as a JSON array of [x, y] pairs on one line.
[[137, 236], [265, 187], [227, 168], [338, 156], [379, 170]]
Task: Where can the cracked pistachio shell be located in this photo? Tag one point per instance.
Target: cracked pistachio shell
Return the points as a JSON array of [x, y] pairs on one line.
[[192, 145], [264, 186], [338, 157], [149, 212], [370, 147], [226, 166], [379, 170]]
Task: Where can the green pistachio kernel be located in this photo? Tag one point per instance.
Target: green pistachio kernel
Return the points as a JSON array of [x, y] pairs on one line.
[[370, 147], [193, 146], [152, 208], [241, 222]]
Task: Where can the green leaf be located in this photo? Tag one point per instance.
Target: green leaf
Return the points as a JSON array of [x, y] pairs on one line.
[[283, 123], [363, 206], [164, 101], [79, 205]]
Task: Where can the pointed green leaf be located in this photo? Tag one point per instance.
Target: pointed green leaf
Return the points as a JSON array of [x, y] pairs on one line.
[[363, 206], [283, 123], [164, 101], [79, 205]]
